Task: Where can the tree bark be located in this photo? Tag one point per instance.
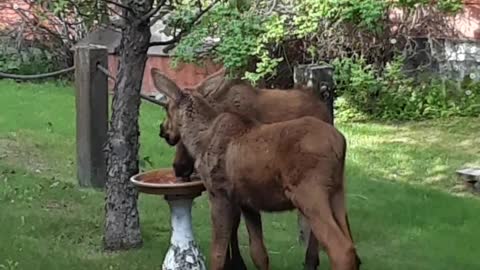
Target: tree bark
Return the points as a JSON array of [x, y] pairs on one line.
[[122, 222]]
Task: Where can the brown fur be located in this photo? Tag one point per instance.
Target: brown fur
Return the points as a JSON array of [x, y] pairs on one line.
[[265, 105], [295, 164]]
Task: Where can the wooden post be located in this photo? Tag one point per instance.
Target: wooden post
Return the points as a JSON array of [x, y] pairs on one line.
[[320, 78], [91, 100]]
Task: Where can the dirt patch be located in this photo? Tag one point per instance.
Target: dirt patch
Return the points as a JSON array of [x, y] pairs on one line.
[[15, 154]]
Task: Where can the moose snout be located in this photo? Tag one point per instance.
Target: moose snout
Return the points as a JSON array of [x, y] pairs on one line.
[[182, 169], [171, 140], [162, 132]]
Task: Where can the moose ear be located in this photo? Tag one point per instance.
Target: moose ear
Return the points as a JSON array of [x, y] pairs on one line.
[[165, 85], [212, 83]]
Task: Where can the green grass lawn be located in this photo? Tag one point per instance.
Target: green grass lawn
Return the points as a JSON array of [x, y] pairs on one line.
[[406, 208]]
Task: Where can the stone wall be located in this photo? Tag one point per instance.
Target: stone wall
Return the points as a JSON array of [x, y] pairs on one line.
[[462, 58], [454, 59]]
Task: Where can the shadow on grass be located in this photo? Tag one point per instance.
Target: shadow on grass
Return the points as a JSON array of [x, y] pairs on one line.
[[426, 153], [399, 226]]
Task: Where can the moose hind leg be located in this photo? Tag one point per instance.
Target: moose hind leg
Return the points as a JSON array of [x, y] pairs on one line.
[[234, 259], [340, 214], [313, 200], [258, 251], [312, 259]]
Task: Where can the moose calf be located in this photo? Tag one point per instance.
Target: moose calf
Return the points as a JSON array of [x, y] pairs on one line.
[[266, 106], [296, 164]]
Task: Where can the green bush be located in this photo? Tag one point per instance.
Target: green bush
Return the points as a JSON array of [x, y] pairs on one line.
[[366, 92], [238, 31], [28, 60]]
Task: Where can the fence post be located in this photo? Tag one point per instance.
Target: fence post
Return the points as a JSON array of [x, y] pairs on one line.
[[91, 100], [320, 78]]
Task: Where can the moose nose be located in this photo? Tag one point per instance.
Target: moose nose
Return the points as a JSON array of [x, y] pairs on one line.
[[162, 132], [171, 140], [182, 169]]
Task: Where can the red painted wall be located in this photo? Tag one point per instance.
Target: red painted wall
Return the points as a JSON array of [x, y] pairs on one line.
[[466, 23], [12, 13], [186, 75]]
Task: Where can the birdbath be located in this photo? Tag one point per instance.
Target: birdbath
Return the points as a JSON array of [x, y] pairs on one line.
[[183, 253]]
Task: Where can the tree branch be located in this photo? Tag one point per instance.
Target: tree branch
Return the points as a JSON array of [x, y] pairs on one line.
[[199, 4], [78, 9], [153, 11], [120, 24], [272, 8], [119, 14], [168, 42], [119, 5], [177, 38]]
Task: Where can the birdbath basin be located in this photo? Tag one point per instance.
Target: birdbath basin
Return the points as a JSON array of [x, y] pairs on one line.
[[183, 253]]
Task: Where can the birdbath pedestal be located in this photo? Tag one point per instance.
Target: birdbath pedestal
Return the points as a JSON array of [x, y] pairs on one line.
[[183, 253]]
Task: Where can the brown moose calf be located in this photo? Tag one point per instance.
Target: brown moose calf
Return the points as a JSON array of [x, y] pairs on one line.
[[295, 164], [266, 106]]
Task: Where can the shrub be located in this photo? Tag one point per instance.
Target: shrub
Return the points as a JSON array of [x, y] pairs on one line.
[[28, 60], [242, 35], [256, 40], [389, 94]]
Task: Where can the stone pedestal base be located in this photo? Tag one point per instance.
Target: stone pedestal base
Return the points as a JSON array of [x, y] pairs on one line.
[[183, 253]]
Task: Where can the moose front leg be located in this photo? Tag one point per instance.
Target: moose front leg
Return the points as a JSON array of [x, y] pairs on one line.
[[222, 209], [223, 215]]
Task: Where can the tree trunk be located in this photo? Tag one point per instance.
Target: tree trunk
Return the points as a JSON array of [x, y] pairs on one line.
[[122, 223]]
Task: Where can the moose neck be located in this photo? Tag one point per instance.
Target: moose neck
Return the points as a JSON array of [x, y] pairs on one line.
[[197, 120]]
